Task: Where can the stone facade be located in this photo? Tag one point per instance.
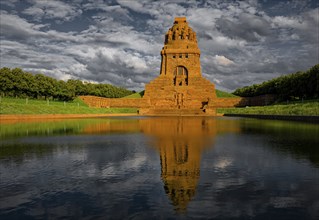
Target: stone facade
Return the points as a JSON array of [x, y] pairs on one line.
[[180, 85]]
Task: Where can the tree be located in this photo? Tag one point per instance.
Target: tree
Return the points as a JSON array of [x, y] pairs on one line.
[[17, 83], [292, 86]]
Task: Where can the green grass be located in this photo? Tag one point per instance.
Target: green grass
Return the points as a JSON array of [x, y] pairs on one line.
[[30, 106], [222, 94], [306, 108], [136, 95]]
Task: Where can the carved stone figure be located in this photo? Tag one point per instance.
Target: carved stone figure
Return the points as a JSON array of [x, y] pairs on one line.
[[169, 35], [194, 37], [190, 32], [176, 34], [184, 34]]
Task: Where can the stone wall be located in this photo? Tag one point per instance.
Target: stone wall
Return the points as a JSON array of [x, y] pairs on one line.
[[229, 102], [261, 100], [100, 102]]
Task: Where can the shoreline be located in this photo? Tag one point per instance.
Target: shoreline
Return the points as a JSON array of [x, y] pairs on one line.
[[41, 117], [300, 118], [27, 117]]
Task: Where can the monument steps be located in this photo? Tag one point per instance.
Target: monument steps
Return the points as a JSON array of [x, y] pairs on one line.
[[177, 112]]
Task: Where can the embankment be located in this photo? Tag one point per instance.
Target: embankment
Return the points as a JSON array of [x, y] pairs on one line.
[[59, 116], [308, 119]]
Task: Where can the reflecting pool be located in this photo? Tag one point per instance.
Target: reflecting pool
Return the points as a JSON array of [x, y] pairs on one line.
[[159, 168]]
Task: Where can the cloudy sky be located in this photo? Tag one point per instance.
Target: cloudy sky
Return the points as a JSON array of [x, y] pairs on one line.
[[119, 41]]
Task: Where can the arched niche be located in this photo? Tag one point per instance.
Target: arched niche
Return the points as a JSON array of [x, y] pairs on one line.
[[180, 76]]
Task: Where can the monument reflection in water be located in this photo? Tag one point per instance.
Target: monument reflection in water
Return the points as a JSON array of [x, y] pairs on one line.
[[180, 142]]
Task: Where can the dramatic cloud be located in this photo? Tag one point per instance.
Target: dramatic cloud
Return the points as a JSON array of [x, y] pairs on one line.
[[221, 60], [119, 41], [51, 9]]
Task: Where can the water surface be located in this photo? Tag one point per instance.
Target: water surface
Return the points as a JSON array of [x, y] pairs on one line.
[[160, 168]]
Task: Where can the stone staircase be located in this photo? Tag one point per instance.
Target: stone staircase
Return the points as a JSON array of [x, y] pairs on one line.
[[175, 112]]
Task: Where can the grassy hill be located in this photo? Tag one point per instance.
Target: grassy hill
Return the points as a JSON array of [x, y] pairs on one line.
[[136, 95], [222, 94], [33, 106], [310, 107]]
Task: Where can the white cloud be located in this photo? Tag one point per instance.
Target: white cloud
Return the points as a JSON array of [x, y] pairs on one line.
[[52, 9], [35, 12], [15, 27], [10, 3], [282, 21], [221, 60]]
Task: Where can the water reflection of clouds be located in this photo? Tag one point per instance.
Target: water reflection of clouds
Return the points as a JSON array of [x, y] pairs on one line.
[[204, 167], [257, 180], [223, 163], [90, 169]]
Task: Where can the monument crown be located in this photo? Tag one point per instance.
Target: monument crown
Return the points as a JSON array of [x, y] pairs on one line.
[[180, 31], [179, 19]]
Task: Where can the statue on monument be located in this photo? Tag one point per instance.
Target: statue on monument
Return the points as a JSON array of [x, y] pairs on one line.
[[169, 35], [176, 34], [194, 37], [191, 36], [179, 99], [184, 34]]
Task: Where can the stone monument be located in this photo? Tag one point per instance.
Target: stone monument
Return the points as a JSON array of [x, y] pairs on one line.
[[180, 88]]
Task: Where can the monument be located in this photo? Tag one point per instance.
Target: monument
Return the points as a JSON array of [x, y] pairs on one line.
[[180, 87]]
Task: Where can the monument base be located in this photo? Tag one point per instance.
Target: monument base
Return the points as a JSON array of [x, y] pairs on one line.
[[177, 112]]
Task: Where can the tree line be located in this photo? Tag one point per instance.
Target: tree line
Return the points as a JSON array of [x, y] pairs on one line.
[[17, 83], [299, 85]]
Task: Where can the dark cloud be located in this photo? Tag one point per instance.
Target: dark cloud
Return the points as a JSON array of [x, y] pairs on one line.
[[246, 26], [119, 42]]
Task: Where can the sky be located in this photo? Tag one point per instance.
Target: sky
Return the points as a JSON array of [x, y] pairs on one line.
[[119, 41]]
